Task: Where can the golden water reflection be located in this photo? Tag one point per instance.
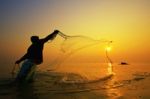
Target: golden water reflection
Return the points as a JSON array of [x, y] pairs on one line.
[[110, 69]]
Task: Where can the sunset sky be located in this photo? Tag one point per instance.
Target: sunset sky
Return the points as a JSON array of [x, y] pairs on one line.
[[125, 22]]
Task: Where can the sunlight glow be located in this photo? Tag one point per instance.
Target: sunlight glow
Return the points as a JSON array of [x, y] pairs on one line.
[[108, 48]]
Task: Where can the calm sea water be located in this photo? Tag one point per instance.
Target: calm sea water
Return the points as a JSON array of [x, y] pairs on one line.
[[73, 80]]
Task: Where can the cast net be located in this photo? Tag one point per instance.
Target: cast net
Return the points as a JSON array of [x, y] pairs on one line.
[[78, 58]]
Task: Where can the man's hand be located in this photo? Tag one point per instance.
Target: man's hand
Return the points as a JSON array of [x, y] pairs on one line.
[[17, 62], [56, 31]]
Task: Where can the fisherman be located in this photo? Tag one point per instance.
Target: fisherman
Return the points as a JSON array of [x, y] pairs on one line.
[[33, 57]]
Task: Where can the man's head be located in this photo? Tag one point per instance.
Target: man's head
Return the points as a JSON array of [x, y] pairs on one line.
[[34, 39]]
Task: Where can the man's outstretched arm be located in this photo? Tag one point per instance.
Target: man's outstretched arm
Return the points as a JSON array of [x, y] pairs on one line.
[[50, 36]]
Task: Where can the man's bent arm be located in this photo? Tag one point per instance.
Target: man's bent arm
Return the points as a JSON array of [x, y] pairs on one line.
[[22, 58]]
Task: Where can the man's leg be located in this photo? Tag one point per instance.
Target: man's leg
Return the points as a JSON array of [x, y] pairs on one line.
[[25, 70], [31, 73]]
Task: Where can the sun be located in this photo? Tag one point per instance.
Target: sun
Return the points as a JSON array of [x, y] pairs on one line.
[[108, 48]]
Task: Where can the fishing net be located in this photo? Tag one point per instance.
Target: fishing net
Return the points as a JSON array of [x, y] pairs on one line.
[[78, 58]]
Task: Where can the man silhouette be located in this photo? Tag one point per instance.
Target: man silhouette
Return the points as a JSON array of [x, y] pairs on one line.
[[33, 57]]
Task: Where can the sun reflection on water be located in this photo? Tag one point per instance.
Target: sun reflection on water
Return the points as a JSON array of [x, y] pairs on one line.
[[110, 69]]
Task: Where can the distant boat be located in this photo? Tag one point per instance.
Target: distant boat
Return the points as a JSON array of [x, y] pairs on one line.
[[124, 63]]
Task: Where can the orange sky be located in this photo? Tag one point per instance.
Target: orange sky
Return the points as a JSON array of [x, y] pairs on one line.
[[124, 22]]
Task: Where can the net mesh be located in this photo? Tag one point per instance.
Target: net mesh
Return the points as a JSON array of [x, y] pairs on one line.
[[79, 58]]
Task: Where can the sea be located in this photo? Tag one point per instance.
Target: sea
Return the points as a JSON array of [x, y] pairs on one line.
[[87, 81]]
